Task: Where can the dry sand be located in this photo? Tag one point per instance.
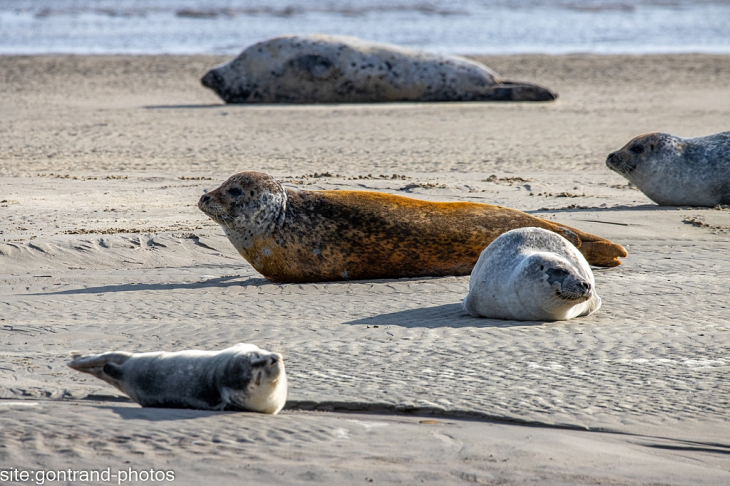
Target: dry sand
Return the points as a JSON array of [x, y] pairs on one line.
[[102, 160]]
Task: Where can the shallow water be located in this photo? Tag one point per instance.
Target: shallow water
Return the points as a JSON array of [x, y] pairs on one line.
[[463, 26]]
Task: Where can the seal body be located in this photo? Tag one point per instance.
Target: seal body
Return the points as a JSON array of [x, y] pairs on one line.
[[327, 69], [674, 171], [531, 274], [311, 236], [242, 377]]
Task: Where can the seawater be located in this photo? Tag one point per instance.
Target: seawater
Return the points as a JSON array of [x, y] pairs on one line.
[[460, 27]]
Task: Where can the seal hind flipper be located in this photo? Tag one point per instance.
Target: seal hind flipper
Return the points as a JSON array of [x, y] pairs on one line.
[[518, 91], [598, 251], [96, 364]]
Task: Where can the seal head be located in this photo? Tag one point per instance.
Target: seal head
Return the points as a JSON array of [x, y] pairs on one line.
[[250, 200], [531, 274], [674, 171]]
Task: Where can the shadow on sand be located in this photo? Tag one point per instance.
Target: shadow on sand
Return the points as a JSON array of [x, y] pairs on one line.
[[447, 315], [160, 414], [183, 107], [221, 282]]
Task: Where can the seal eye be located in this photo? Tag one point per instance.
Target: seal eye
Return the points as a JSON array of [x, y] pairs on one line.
[[636, 149], [235, 191]]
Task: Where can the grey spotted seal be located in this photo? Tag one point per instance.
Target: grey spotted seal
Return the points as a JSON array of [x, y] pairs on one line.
[[531, 274], [674, 171], [242, 377], [329, 69], [311, 236]]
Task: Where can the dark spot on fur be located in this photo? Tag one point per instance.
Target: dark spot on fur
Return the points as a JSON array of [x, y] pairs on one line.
[[315, 65], [556, 275], [637, 149]]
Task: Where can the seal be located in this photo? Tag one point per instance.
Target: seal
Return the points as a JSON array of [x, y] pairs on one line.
[[242, 377], [328, 69], [531, 274], [311, 236], [674, 171]]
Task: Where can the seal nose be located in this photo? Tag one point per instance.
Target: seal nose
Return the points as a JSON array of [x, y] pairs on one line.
[[204, 199], [609, 159], [212, 80], [273, 359], [585, 288]]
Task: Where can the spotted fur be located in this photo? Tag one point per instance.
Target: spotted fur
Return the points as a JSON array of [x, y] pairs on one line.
[[674, 171], [328, 69]]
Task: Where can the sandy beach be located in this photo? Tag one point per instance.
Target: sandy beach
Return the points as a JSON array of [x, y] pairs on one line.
[[102, 247]]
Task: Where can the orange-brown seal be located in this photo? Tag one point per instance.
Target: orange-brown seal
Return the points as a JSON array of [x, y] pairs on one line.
[[314, 236]]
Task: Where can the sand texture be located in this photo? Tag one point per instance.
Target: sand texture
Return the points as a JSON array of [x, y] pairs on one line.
[[102, 247]]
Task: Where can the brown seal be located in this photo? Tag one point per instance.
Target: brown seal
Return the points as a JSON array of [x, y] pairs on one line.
[[313, 236]]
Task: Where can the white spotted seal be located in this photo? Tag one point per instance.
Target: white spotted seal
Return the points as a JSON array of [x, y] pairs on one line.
[[531, 274], [327, 69], [242, 377], [674, 171], [310, 236]]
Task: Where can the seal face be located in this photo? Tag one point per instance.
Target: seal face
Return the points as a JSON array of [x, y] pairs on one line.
[[328, 69], [312, 236], [674, 171], [242, 377], [531, 274]]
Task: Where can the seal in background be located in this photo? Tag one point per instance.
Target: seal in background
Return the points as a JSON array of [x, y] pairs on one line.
[[327, 69]]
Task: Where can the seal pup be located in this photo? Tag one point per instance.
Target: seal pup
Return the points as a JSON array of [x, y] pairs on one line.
[[531, 274], [311, 236], [674, 171], [242, 377], [329, 69]]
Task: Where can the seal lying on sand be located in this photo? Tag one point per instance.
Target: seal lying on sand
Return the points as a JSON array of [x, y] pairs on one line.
[[242, 377], [311, 236], [326, 69], [675, 171], [531, 274]]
